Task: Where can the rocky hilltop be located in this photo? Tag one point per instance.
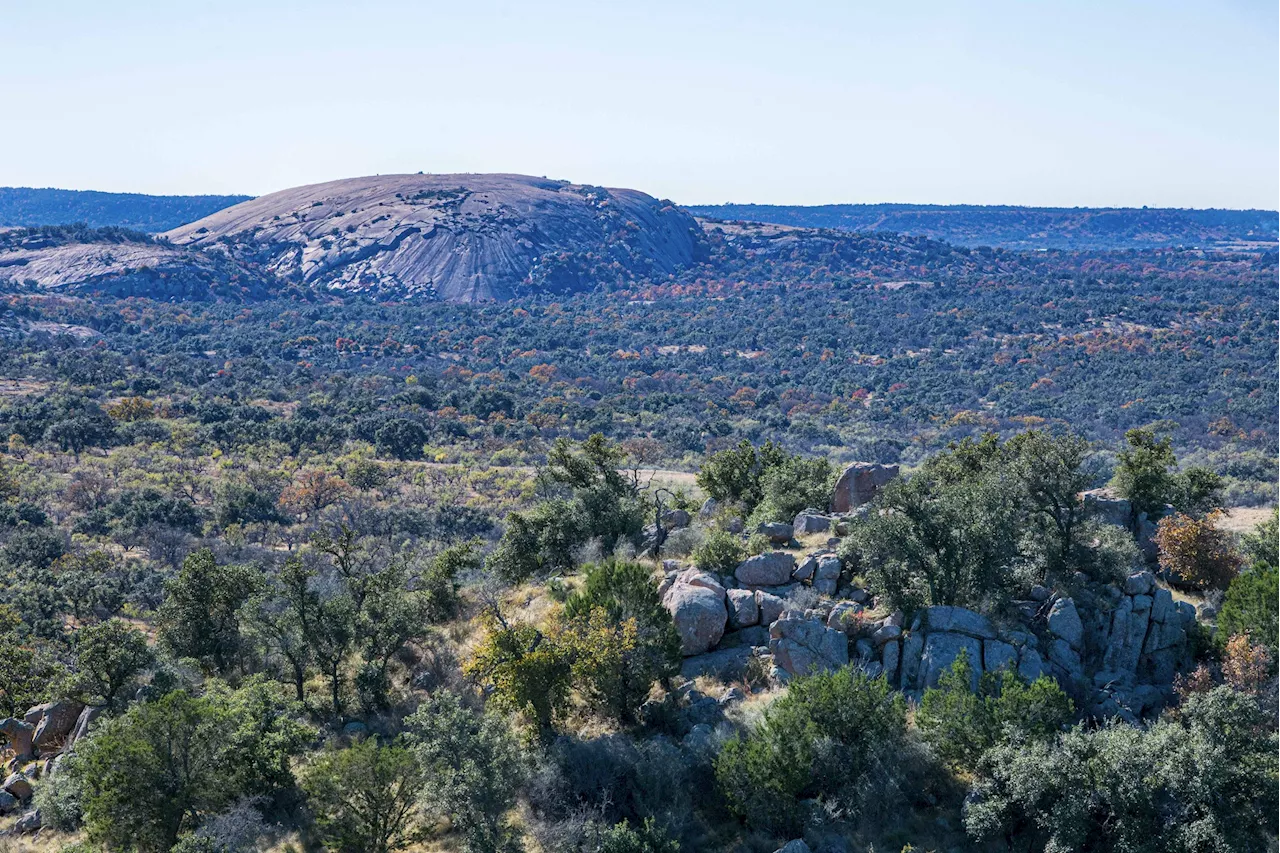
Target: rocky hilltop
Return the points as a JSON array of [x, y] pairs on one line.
[[120, 262], [459, 238]]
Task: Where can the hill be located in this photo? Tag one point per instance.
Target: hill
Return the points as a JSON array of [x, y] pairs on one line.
[[1022, 227], [459, 238], [27, 207], [120, 262]]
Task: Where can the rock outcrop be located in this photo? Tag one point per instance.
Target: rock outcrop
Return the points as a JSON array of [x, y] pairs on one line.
[[459, 238], [859, 484]]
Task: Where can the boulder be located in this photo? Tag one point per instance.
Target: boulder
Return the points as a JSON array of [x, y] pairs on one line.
[[18, 785], [912, 648], [808, 521], [1030, 665], [958, 620], [1064, 622], [889, 657], [941, 650], [859, 484], [997, 655], [699, 615], [744, 611], [1106, 507], [1139, 583], [83, 722], [769, 569], [800, 646], [8, 803], [56, 723], [674, 519], [29, 822], [771, 607], [708, 508], [1039, 593], [18, 734], [885, 633], [779, 532], [805, 568], [725, 664]]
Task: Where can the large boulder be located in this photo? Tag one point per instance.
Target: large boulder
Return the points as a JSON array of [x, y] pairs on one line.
[[958, 620], [725, 664], [83, 722], [997, 655], [771, 607], [779, 532], [57, 721], [744, 610], [769, 569], [808, 521], [941, 650], [1064, 622], [18, 733], [1108, 508], [859, 484], [18, 785], [801, 646], [699, 615]]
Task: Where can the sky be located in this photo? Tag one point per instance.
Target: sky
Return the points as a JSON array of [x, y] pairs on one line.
[[1069, 103]]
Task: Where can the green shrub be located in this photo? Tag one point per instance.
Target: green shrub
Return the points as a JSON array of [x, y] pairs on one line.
[[720, 553], [647, 839], [962, 724], [1249, 607], [820, 740], [365, 797]]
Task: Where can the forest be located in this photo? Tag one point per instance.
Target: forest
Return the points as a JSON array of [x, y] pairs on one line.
[[754, 563]]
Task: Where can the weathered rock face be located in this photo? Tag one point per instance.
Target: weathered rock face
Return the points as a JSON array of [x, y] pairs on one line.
[[699, 615], [769, 569], [90, 261], [460, 238], [859, 484], [801, 646], [57, 721]]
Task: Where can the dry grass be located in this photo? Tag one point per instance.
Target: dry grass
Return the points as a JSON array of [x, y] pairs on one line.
[[1243, 519]]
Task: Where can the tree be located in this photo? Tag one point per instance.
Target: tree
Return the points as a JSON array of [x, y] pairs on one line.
[[1195, 552], [623, 638], [961, 724], [285, 620], [820, 739], [1260, 547], [1206, 781], [312, 491], [108, 656], [365, 797], [791, 485], [1250, 607], [473, 770], [200, 616], [401, 438], [931, 541], [1051, 473], [159, 768], [1143, 473], [528, 671]]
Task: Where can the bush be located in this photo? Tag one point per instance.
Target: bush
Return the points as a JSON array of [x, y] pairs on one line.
[[961, 724], [472, 769], [818, 740], [647, 839], [365, 797], [720, 553], [1249, 607], [1195, 552], [1206, 781]]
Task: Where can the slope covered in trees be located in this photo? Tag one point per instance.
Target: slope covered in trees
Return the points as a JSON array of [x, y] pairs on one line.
[[27, 207], [1014, 227]]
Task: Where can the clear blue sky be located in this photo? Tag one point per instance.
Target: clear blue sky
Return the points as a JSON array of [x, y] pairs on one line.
[[1048, 103]]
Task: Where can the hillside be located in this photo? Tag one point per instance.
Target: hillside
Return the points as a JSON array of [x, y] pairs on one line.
[[27, 207], [459, 238], [1022, 227], [119, 262]]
